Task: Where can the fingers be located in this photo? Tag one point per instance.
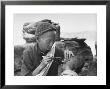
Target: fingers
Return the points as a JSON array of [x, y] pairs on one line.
[[71, 54], [46, 59], [68, 54], [65, 54]]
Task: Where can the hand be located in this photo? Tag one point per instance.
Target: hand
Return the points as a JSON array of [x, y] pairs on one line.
[[45, 60], [67, 55]]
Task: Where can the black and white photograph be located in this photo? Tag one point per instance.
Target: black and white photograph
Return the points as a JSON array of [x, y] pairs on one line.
[[55, 44]]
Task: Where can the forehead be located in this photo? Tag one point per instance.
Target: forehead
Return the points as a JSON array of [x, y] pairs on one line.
[[48, 34]]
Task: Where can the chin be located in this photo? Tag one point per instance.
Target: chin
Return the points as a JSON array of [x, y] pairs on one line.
[[47, 50]]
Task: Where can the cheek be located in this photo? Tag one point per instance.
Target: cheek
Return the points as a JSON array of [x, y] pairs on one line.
[[48, 44], [45, 44]]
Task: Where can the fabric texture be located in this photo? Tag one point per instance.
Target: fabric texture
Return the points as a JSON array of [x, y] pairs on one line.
[[32, 57]]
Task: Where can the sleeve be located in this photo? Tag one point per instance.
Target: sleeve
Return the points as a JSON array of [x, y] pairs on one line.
[[27, 67]]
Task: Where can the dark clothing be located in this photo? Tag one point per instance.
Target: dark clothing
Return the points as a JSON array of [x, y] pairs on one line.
[[32, 57]]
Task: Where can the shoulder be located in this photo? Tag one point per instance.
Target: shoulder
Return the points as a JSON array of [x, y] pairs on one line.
[[28, 54], [29, 51], [29, 47]]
